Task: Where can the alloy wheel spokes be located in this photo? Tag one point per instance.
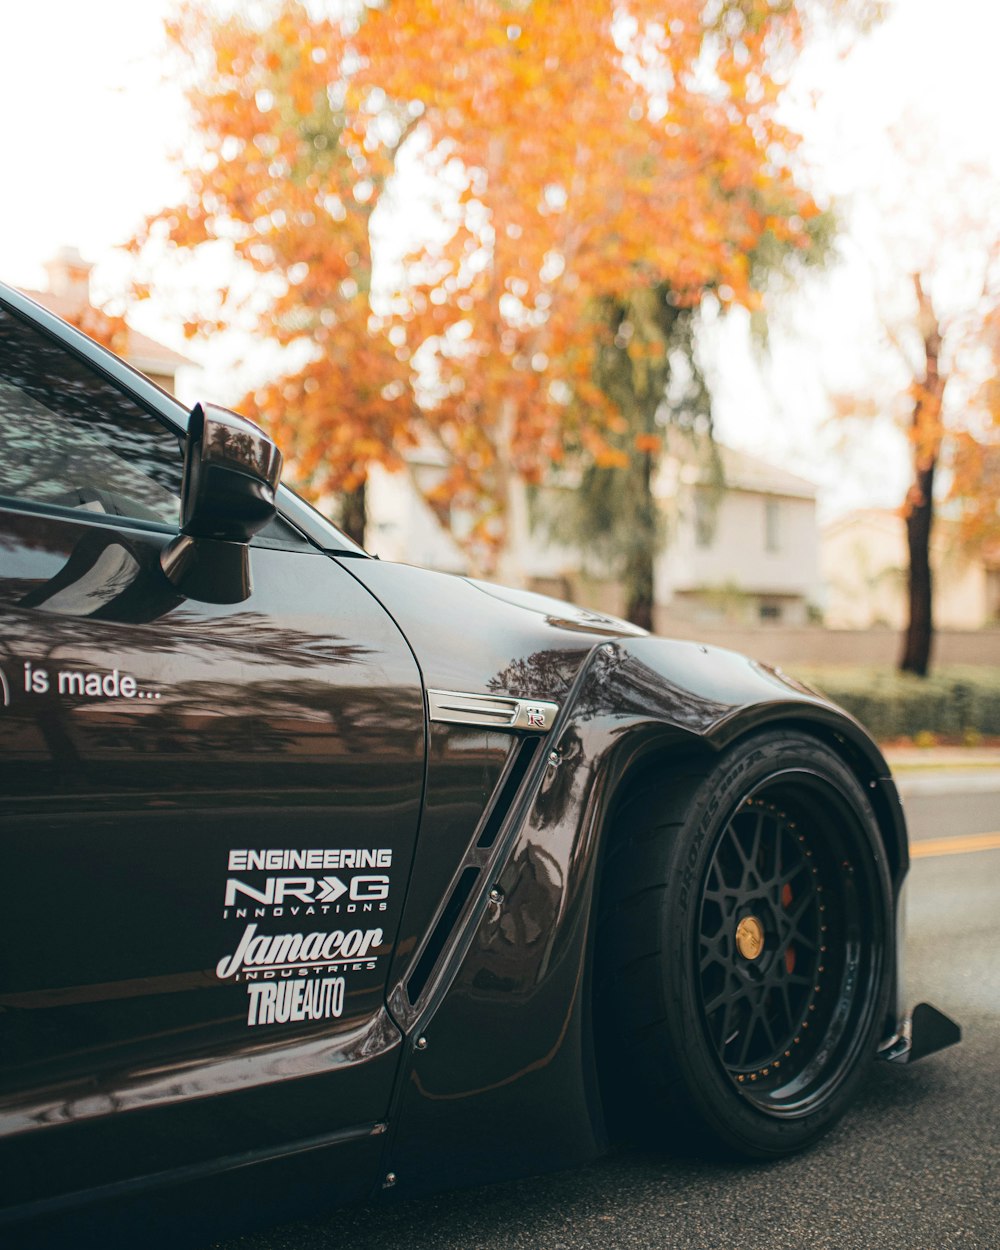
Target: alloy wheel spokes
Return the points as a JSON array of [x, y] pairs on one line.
[[759, 940]]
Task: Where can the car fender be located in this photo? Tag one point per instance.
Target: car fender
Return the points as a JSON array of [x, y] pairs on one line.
[[499, 1077]]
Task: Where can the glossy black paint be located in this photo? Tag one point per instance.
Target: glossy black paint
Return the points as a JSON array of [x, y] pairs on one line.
[[294, 715], [464, 640], [260, 727]]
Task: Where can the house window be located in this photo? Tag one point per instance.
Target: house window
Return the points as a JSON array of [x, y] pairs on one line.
[[704, 519], [772, 525], [770, 611]]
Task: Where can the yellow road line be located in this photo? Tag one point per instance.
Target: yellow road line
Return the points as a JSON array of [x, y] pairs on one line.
[[955, 846]]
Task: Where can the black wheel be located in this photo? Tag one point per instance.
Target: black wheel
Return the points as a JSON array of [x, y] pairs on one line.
[[744, 952]]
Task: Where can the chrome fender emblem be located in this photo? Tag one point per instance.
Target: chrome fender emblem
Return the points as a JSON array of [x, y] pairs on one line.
[[456, 707]]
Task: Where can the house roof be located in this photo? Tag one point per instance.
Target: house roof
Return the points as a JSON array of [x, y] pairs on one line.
[[868, 519], [741, 471], [144, 353], [946, 535], [887, 519]]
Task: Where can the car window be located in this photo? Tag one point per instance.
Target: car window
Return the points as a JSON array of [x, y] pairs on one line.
[[71, 438]]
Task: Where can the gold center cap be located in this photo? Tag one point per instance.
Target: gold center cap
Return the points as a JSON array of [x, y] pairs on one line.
[[750, 937]]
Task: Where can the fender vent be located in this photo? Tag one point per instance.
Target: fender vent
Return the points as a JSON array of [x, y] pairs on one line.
[[439, 935], [505, 795]]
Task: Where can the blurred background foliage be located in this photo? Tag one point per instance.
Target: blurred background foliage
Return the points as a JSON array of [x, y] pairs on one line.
[[608, 168], [959, 703], [603, 175]]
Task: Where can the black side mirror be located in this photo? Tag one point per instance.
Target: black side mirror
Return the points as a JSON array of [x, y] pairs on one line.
[[231, 472]]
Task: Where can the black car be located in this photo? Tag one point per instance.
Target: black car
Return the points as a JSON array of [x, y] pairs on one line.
[[349, 878]]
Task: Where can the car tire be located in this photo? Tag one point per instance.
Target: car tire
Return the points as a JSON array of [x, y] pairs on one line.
[[744, 950]]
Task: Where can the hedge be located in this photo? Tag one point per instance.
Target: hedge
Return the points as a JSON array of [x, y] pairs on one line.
[[956, 702]]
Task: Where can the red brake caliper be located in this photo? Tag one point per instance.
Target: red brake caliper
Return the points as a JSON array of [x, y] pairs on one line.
[[786, 902]]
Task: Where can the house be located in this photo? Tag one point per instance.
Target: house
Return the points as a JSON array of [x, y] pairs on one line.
[[743, 552], [864, 560], [744, 545], [68, 296], [402, 526]]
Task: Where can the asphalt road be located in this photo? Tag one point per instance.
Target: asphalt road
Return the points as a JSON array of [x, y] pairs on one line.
[[914, 1166]]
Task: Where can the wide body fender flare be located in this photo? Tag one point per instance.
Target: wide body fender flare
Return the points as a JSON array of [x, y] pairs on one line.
[[499, 1076]]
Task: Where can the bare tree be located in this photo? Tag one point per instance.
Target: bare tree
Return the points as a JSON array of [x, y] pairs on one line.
[[926, 434]]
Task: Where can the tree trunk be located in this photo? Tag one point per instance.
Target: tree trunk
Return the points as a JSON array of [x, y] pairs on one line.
[[920, 628], [510, 569], [639, 560], [353, 514], [925, 432], [507, 563]]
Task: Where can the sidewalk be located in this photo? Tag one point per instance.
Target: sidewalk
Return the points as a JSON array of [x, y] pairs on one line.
[[952, 759], [930, 771]]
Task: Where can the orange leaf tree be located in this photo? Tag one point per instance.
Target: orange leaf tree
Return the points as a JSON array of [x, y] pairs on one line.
[[608, 164], [614, 164], [948, 341], [948, 403], [936, 265], [959, 351], [287, 173]]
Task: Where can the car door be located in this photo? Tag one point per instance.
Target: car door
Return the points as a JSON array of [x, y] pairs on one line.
[[208, 809]]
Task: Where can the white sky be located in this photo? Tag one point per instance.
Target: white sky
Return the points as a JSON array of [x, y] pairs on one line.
[[88, 120], [86, 123], [927, 76]]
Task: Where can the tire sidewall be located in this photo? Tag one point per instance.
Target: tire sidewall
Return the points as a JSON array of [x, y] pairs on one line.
[[739, 772]]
